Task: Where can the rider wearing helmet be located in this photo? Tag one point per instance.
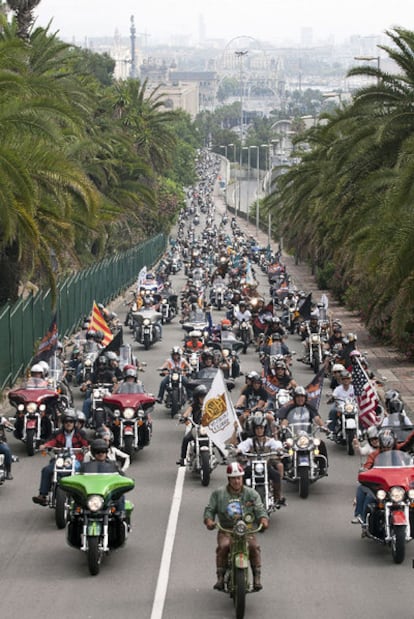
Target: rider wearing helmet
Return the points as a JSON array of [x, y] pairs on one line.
[[195, 410], [175, 362], [302, 412], [260, 443], [37, 378], [113, 454], [252, 397], [231, 503], [67, 436]]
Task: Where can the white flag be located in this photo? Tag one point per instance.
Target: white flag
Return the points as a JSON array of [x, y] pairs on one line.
[[141, 277], [219, 415]]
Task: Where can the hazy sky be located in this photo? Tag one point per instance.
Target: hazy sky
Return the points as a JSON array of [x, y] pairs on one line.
[[277, 20]]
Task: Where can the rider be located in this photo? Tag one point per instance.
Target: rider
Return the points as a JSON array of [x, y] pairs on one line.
[[114, 454], [364, 495], [344, 391], [4, 448], [302, 412], [260, 443], [175, 362], [37, 378], [253, 397], [229, 504], [67, 436], [196, 411]]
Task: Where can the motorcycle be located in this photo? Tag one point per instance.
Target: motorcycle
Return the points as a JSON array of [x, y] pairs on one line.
[[37, 415], [175, 395], [244, 334], [218, 295], [147, 327], [259, 480], [96, 524], [303, 463], [131, 421], [237, 577], [65, 463], [347, 425], [98, 415], [168, 308], [200, 458], [390, 517]]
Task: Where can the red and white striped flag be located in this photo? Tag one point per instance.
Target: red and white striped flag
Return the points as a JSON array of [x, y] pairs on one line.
[[98, 323], [366, 395]]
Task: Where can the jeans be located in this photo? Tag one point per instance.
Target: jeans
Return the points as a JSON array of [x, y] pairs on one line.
[[6, 451], [364, 496], [164, 383]]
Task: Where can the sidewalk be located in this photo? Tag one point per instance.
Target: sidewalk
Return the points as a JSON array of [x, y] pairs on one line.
[[386, 362]]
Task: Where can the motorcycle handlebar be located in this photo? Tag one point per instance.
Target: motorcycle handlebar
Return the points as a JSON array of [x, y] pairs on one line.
[[248, 532]]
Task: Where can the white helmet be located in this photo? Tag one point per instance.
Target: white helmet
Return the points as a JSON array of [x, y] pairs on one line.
[[45, 367], [36, 368], [234, 469]]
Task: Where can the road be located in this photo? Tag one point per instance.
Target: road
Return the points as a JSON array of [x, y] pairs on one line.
[[314, 561]]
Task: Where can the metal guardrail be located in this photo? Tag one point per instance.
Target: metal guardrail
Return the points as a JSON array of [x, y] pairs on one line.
[[25, 322]]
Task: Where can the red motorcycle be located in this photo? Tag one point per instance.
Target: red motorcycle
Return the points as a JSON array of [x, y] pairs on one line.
[[130, 417], [390, 514], [37, 415]]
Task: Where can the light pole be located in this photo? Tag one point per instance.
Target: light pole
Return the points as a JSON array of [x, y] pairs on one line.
[[369, 59], [258, 186], [225, 149], [248, 181]]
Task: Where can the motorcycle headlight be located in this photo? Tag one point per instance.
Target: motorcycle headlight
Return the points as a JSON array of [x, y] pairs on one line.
[[289, 442], [146, 322], [303, 442], [203, 431], [60, 463], [411, 494], [32, 407], [94, 502], [397, 494], [315, 339], [164, 301], [240, 528], [88, 363], [349, 408], [68, 463], [96, 393], [316, 442], [42, 408], [381, 494], [175, 376], [259, 468], [20, 407], [128, 413]]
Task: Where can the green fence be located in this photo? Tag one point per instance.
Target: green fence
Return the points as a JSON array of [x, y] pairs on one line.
[[23, 323]]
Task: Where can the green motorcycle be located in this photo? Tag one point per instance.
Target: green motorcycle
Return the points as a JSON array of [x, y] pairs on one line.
[[237, 577], [99, 516]]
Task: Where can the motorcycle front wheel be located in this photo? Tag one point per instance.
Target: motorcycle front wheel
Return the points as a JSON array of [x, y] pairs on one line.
[[205, 468], [350, 434], [94, 556], [398, 544], [30, 442], [303, 482], [60, 508], [175, 403], [239, 593], [315, 364], [129, 445]]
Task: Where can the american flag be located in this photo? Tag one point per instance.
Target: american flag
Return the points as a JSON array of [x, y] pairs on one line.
[[314, 389], [366, 395]]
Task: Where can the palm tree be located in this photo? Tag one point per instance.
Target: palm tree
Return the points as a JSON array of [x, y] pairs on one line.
[[23, 10]]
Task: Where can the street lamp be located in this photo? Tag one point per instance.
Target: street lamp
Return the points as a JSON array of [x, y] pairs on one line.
[[369, 59], [248, 181]]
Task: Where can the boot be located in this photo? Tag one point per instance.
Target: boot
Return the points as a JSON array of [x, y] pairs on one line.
[[219, 586], [257, 585]]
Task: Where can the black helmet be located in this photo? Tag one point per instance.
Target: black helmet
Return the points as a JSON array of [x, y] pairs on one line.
[[102, 361], [395, 406], [387, 439], [259, 420], [199, 390], [98, 445], [105, 433]]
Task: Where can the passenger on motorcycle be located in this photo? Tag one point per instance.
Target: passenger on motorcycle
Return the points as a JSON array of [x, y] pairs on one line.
[[229, 504], [279, 375], [67, 436], [175, 362], [260, 443], [195, 410], [364, 495]]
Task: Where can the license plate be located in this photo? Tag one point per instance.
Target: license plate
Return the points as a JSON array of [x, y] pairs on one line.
[[350, 424], [303, 461], [31, 424]]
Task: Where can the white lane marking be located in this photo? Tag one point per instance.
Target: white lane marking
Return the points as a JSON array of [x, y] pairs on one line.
[[164, 572]]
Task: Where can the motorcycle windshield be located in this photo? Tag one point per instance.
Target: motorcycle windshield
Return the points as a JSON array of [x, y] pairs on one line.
[[131, 388], [97, 483], [393, 458]]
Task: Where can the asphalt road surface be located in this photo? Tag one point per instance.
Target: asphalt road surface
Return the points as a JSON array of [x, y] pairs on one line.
[[315, 563]]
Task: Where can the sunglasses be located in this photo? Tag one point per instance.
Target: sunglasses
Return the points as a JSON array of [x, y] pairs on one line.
[[100, 452]]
